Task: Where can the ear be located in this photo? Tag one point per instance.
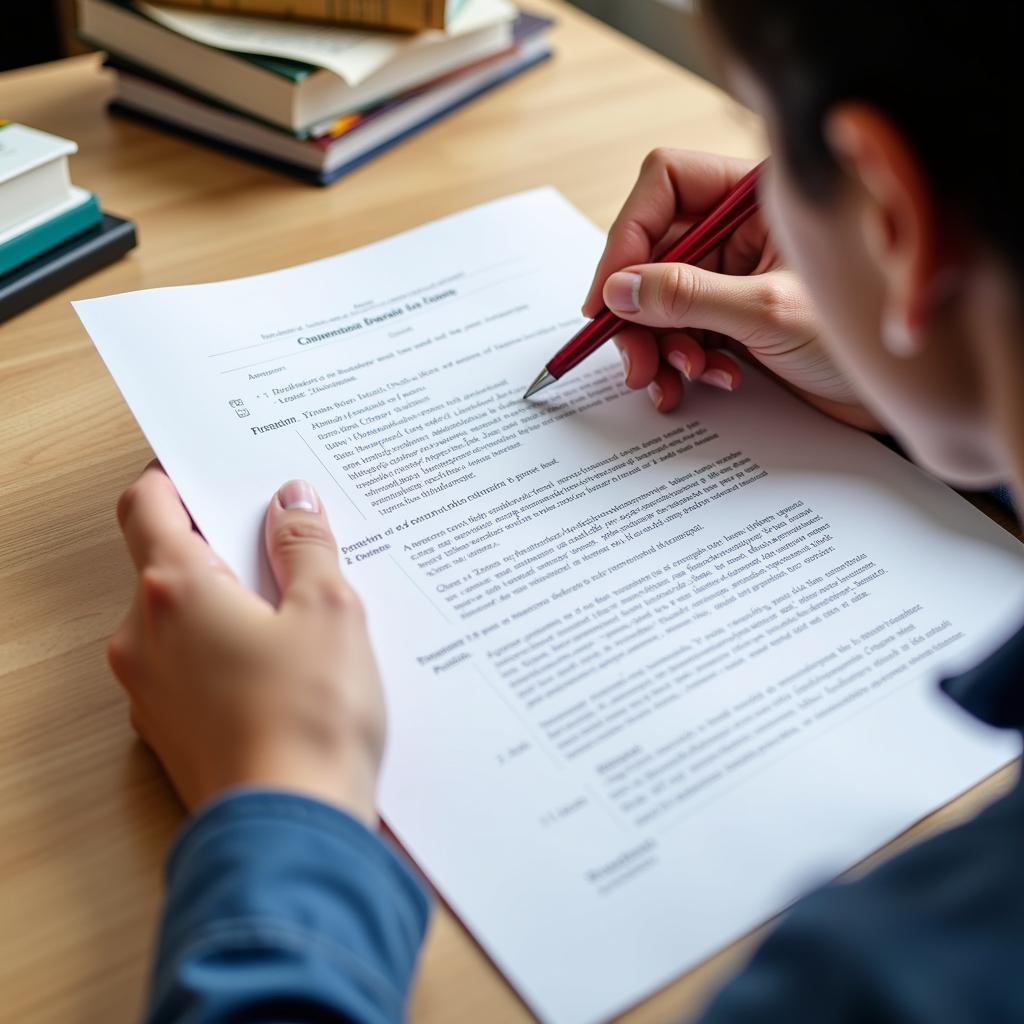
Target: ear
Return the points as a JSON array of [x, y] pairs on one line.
[[903, 228]]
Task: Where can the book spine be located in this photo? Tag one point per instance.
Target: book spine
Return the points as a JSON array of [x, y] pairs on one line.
[[47, 236], [408, 15], [72, 261]]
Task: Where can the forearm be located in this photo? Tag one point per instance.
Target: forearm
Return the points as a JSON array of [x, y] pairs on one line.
[[281, 908]]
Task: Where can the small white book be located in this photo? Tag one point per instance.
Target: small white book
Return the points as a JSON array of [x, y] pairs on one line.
[[34, 177]]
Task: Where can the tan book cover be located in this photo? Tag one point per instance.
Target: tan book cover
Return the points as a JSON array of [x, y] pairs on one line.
[[407, 15]]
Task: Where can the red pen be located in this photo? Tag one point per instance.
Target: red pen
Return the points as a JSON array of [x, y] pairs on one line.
[[705, 236]]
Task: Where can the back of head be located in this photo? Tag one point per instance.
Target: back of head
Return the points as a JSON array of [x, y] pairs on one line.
[[947, 74]]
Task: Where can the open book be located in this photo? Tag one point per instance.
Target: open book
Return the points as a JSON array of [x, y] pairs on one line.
[[648, 677]]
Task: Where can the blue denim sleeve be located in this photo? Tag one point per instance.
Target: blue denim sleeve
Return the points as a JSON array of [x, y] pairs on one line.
[[933, 936], [283, 909]]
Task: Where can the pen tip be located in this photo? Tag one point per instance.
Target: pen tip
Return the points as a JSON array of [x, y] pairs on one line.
[[543, 380]]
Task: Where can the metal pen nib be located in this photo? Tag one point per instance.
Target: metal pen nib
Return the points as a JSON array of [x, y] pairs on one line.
[[543, 380]]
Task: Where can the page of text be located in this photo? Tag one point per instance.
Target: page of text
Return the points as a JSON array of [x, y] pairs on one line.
[[649, 677]]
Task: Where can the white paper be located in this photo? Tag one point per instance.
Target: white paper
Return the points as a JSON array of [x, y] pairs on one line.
[[649, 678], [352, 54]]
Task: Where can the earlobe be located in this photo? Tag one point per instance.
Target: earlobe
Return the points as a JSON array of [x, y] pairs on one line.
[[899, 338]]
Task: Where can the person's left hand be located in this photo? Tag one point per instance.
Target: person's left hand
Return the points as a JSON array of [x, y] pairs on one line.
[[230, 691]]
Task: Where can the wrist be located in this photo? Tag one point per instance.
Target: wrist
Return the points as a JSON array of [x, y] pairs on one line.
[[346, 782], [852, 414]]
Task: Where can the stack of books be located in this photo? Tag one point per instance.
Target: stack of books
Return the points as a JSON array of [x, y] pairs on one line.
[[51, 233], [314, 100]]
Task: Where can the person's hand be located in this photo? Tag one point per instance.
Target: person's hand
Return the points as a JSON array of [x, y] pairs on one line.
[[230, 691], [684, 318]]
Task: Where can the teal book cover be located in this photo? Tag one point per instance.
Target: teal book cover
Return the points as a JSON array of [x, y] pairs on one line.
[[43, 237]]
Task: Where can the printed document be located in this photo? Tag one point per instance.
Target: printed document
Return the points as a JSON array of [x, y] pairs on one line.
[[649, 677]]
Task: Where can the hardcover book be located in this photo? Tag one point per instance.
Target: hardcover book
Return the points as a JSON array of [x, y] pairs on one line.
[[407, 15], [46, 275]]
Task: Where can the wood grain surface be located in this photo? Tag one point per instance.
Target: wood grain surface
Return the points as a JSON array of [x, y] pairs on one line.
[[85, 815]]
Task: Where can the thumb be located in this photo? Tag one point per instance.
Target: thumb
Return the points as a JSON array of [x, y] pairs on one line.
[[301, 548], [680, 295]]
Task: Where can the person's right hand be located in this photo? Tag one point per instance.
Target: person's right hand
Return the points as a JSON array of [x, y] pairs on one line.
[[683, 318]]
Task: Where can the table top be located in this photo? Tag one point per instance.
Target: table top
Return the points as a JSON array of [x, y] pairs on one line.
[[85, 815]]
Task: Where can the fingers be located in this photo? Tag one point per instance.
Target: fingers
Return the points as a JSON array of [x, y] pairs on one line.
[[721, 371], [155, 524], [661, 364], [716, 369], [303, 552], [640, 359], [122, 647], [683, 353], [672, 184], [667, 295], [666, 390]]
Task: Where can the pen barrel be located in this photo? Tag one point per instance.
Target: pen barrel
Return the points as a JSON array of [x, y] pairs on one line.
[[603, 327], [704, 238], [701, 239]]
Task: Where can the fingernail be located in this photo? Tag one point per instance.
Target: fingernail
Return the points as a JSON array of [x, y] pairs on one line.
[[717, 379], [622, 292], [625, 361], [681, 363], [298, 495], [657, 395]]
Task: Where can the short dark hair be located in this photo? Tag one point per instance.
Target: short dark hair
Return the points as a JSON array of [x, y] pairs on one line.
[[948, 74]]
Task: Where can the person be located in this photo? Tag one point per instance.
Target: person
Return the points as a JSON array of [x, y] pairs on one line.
[[883, 284]]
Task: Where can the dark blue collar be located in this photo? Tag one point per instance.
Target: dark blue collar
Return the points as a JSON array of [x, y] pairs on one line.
[[994, 690]]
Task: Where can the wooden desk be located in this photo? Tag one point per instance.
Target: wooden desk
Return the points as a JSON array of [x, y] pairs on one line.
[[85, 816]]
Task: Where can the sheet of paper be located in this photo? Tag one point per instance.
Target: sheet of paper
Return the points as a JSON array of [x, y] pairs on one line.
[[649, 677], [352, 54]]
